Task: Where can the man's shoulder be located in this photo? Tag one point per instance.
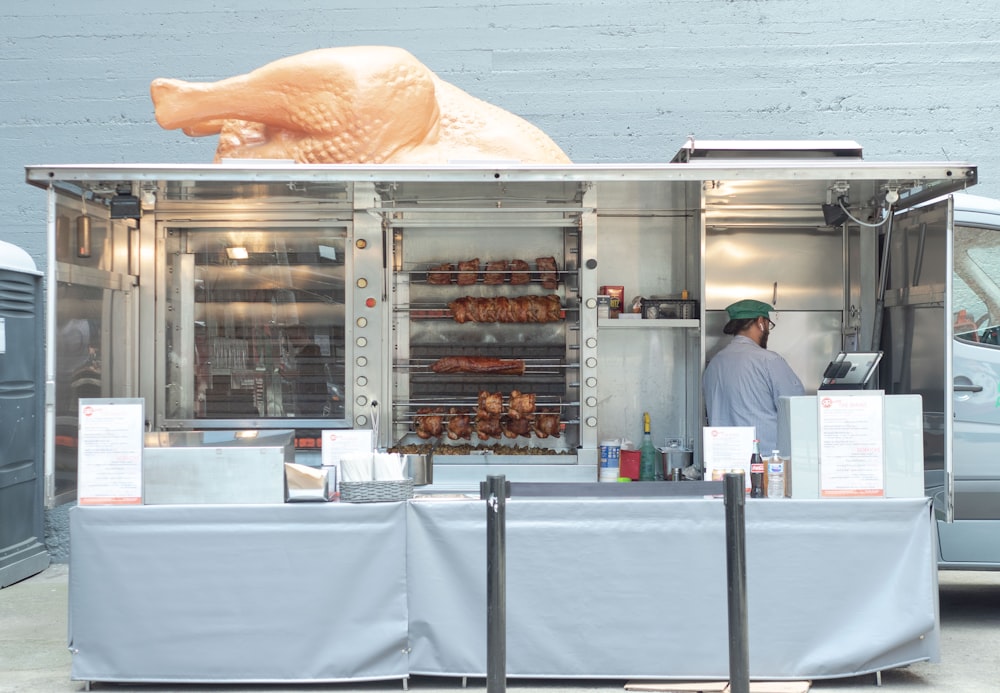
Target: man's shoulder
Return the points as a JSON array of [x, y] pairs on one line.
[[748, 351]]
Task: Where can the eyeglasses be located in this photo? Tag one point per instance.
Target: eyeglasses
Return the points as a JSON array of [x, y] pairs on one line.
[[770, 324]]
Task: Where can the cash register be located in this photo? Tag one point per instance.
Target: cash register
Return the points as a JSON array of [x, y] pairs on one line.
[[851, 370]]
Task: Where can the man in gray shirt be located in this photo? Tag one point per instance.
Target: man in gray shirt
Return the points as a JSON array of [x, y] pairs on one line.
[[742, 383]]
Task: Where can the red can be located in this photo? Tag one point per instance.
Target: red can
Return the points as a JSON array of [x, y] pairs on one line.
[[628, 464]]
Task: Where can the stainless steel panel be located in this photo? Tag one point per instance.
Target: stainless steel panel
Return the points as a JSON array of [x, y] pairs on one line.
[[918, 179], [465, 478], [212, 475], [646, 366], [219, 467], [792, 269], [669, 202], [916, 328], [649, 256]]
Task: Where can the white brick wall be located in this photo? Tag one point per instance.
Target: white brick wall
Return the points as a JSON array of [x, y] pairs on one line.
[[609, 80]]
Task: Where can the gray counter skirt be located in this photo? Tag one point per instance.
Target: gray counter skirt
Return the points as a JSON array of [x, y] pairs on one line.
[[596, 588]]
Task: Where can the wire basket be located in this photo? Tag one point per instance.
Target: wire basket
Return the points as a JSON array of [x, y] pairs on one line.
[[376, 491]]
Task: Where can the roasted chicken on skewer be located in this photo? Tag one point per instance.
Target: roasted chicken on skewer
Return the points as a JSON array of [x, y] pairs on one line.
[[468, 272], [496, 272], [429, 422], [478, 364], [547, 272], [488, 415], [490, 404], [459, 425], [519, 272], [547, 424], [440, 274], [521, 405], [512, 428], [489, 427], [535, 309]]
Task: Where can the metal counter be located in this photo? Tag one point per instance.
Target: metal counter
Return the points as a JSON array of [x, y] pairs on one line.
[[596, 588]]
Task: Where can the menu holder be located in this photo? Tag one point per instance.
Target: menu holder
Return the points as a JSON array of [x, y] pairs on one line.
[[110, 451]]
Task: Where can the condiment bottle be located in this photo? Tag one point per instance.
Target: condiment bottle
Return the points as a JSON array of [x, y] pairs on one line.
[[756, 472], [647, 453]]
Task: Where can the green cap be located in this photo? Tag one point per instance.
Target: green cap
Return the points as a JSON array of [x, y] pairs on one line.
[[748, 308]]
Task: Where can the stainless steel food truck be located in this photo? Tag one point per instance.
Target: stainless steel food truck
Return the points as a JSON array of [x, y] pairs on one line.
[[270, 296]]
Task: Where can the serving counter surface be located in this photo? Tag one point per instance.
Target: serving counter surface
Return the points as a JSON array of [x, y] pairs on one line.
[[596, 588]]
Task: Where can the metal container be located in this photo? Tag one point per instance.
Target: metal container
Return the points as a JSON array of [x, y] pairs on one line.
[[420, 468], [216, 467], [669, 309], [675, 458]]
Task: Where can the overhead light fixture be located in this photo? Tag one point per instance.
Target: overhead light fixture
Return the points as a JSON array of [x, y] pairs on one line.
[[125, 205], [83, 230], [83, 236], [237, 253]]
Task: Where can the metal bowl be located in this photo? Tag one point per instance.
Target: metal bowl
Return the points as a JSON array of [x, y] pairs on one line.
[[420, 468]]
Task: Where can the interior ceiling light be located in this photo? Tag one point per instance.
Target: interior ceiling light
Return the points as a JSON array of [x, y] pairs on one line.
[[237, 253]]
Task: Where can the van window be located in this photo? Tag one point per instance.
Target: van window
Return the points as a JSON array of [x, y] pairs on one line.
[[976, 285]]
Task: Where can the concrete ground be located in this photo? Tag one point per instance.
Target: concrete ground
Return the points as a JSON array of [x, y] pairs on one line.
[[34, 657]]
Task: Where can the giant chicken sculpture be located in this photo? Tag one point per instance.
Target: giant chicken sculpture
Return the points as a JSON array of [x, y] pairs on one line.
[[358, 104]]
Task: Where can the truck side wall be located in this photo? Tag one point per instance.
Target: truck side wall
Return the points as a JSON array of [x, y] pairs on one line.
[[629, 85]]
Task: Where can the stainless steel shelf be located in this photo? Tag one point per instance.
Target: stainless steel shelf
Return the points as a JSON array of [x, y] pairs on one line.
[[628, 324]]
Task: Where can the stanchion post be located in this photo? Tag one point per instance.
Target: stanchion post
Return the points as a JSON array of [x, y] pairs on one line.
[[736, 578], [495, 492]]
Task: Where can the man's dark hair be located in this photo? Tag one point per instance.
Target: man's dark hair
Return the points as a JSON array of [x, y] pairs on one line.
[[738, 325]]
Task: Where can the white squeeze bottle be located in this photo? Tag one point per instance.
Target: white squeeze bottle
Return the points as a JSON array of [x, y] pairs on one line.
[[775, 476]]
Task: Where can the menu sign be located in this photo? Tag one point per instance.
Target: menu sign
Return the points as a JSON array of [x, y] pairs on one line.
[[728, 449], [851, 445], [110, 452], [344, 442]]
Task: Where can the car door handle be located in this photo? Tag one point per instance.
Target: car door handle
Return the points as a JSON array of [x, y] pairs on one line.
[[968, 388]]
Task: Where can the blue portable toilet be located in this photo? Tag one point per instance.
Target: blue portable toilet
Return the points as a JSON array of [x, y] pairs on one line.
[[22, 401]]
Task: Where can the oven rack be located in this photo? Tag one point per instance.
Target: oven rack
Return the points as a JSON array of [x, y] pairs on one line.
[[422, 276], [470, 403], [439, 311], [535, 366]]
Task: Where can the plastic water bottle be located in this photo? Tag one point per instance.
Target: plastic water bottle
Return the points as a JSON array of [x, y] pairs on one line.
[[775, 476]]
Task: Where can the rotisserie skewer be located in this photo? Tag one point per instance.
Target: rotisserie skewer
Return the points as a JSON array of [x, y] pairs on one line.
[[532, 309], [478, 364]]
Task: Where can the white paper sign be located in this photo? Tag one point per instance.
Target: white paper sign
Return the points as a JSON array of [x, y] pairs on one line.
[[851, 445], [344, 442], [110, 452], [728, 449]]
